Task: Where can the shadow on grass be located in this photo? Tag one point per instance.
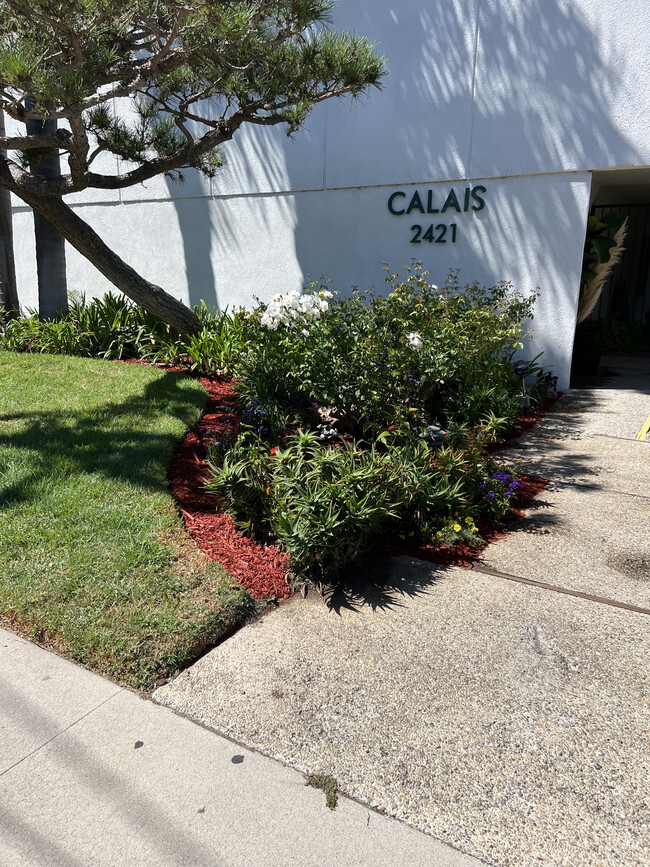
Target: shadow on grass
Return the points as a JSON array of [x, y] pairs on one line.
[[96, 441], [382, 583]]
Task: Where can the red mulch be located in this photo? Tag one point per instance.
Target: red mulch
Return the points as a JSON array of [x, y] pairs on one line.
[[528, 419], [262, 568]]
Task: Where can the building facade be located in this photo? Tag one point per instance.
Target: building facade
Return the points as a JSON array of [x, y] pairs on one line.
[[500, 125]]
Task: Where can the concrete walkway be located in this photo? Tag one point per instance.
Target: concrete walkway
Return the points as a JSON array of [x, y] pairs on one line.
[[504, 710], [91, 774]]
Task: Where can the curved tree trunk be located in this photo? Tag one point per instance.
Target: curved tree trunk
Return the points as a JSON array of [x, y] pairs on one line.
[[83, 238], [50, 245], [8, 292]]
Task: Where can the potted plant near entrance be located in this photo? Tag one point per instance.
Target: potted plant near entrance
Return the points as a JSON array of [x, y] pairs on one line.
[[601, 254]]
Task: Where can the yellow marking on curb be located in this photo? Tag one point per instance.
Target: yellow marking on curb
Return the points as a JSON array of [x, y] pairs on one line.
[[643, 433]]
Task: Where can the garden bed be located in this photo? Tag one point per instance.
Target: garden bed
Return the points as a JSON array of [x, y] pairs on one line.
[[263, 569], [347, 419]]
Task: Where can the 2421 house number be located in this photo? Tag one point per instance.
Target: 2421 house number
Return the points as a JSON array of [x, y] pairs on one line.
[[434, 234]]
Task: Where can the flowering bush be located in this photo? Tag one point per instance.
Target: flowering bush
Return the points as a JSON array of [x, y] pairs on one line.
[[365, 416], [496, 492], [458, 529], [426, 354]]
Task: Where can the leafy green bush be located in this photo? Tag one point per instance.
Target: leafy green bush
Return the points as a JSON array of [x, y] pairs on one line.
[[343, 404], [368, 362], [327, 504]]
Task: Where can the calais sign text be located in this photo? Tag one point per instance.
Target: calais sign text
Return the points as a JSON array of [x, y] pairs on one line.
[[401, 204]]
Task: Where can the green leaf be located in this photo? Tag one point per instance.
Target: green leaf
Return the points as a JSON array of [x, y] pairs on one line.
[[603, 248]]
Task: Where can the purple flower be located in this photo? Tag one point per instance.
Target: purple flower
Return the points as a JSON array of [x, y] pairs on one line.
[[491, 495], [482, 487]]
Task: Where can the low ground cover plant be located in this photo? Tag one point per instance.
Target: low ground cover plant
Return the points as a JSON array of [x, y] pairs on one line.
[[112, 327], [93, 556]]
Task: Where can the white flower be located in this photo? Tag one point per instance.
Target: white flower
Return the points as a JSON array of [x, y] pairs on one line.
[[294, 307], [305, 333], [414, 341]]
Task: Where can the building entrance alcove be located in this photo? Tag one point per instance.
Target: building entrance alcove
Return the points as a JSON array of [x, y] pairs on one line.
[[625, 300]]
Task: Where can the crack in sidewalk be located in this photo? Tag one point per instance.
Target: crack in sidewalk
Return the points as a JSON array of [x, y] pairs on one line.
[[59, 733], [543, 585]]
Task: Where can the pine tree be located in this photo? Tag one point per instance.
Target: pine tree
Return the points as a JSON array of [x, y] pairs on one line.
[[192, 72]]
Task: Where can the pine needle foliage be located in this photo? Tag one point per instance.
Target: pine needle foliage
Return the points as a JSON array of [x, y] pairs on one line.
[[191, 74], [161, 85]]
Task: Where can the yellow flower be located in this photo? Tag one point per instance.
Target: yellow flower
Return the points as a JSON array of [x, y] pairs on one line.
[[469, 520], [439, 534], [457, 528], [474, 529]]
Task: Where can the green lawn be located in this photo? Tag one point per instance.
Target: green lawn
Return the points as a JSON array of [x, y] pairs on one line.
[[93, 557]]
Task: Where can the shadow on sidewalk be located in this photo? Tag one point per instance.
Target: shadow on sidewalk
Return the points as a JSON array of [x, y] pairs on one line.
[[382, 583]]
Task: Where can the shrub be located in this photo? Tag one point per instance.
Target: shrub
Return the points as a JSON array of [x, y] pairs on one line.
[[327, 504], [343, 402], [368, 362]]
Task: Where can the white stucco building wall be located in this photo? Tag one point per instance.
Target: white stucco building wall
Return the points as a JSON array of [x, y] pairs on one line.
[[526, 98]]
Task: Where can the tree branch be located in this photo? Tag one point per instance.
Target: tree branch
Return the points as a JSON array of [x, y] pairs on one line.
[[60, 139]]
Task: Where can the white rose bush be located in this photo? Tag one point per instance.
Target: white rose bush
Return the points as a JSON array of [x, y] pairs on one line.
[[294, 308]]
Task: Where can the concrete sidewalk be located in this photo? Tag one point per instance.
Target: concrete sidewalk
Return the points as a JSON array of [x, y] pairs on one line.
[[91, 774], [508, 720], [506, 709]]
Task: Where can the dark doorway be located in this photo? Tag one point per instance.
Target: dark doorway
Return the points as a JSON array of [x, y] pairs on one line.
[[626, 295]]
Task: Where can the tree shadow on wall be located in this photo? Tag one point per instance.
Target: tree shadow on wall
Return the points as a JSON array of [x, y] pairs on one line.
[[530, 92]]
